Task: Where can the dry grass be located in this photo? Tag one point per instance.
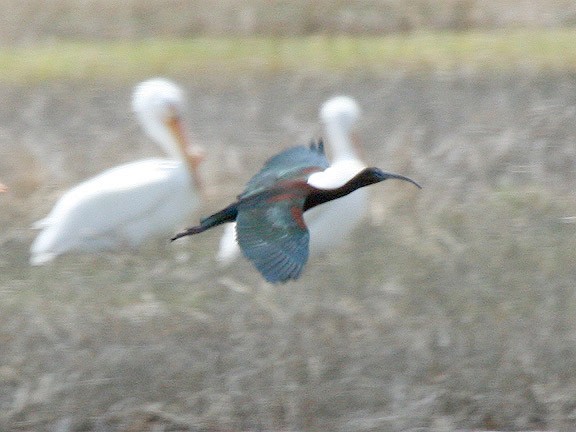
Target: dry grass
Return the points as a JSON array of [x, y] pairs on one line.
[[30, 21], [453, 308]]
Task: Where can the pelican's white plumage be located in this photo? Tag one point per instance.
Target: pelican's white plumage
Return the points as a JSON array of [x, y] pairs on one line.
[[332, 222], [126, 205], [329, 223]]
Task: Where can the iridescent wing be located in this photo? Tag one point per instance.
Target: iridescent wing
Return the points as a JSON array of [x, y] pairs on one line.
[[269, 213], [274, 237], [292, 163]]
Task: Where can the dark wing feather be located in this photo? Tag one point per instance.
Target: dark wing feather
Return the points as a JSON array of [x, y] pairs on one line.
[[227, 214], [274, 238], [288, 164]]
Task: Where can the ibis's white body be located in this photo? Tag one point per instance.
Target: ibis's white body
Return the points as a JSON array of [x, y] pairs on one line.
[[330, 223], [129, 204]]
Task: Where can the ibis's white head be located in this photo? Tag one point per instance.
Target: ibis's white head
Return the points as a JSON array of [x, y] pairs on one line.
[[339, 115], [160, 106]]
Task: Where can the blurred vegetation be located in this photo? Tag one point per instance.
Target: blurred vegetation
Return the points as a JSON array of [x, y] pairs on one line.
[[121, 61], [31, 21], [452, 308]]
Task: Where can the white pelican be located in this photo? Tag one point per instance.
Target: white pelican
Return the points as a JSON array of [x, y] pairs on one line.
[[128, 204], [331, 222]]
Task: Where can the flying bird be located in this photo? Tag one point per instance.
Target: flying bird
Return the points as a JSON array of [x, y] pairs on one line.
[[331, 223], [131, 203], [269, 214]]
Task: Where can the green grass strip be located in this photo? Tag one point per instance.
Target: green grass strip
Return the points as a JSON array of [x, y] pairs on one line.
[[474, 51]]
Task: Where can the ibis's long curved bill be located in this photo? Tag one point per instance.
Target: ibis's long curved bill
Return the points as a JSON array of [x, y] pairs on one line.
[[389, 175]]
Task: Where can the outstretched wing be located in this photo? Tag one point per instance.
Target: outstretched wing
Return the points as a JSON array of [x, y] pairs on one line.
[[270, 227], [289, 164], [274, 237]]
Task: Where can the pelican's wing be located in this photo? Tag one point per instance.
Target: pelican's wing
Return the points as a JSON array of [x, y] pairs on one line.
[[291, 163], [118, 195], [102, 212], [275, 238]]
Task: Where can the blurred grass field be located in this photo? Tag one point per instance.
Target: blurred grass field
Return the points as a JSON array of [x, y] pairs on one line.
[[122, 61], [452, 308]]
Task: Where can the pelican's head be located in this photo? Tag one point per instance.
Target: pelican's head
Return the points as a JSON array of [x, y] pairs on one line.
[[160, 107], [342, 110]]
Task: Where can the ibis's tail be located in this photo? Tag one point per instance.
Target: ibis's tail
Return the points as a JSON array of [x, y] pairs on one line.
[[225, 215]]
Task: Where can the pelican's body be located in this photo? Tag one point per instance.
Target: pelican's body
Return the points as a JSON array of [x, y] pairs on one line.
[[331, 223], [339, 115], [129, 204], [269, 214]]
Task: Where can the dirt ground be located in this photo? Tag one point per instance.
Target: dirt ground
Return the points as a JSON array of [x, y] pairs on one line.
[[451, 308]]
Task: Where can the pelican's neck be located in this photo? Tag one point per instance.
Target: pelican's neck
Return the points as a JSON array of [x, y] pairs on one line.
[[164, 138], [339, 139], [170, 137]]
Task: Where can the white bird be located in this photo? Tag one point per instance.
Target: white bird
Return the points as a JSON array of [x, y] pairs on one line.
[[330, 223], [131, 203]]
